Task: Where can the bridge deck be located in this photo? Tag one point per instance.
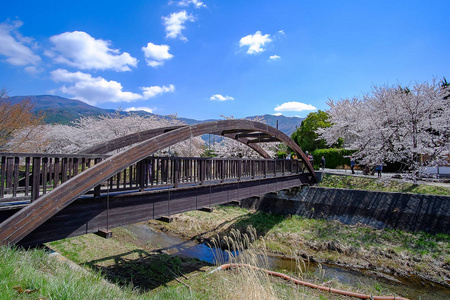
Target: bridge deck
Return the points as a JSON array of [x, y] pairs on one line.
[[25, 177]]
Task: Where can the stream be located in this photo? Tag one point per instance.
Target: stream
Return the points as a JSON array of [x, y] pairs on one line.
[[410, 287]]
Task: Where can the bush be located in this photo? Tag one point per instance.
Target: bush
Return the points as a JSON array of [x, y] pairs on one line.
[[334, 158], [281, 154]]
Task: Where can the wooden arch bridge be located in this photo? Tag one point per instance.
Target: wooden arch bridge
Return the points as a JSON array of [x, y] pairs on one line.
[[45, 197]]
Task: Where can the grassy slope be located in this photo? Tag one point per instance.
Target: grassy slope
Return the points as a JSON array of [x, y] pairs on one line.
[[385, 185]]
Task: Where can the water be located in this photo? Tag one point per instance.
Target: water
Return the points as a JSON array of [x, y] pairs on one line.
[[176, 246], [409, 287]]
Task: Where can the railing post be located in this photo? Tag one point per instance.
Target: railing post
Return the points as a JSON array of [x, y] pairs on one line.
[[9, 173], [252, 168], [202, 171], [176, 170], [16, 176], [140, 175], [97, 189], [222, 170], [56, 172], [2, 179], [44, 174], [151, 169], [27, 175], [64, 169], [239, 169], [36, 179], [75, 166]]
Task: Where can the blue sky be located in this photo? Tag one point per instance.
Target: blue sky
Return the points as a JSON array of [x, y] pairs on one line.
[[203, 59]]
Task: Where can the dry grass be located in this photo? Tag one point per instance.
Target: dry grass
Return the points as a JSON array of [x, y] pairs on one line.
[[243, 283]]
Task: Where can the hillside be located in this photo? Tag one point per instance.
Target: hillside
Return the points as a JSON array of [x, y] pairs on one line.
[[64, 111], [61, 110]]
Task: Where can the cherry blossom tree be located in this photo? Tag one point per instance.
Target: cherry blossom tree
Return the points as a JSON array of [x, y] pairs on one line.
[[410, 125], [227, 147], [89, 131]]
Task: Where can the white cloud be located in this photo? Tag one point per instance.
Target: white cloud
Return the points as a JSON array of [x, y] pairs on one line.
[[33, 70], [281, 31], [12, 45], [95, 90], [153, 91], [196, 3], [79, 49], [219, 97], [294, 106], [277, 114], [155, 55], [274, 57], [255, 42], [140, 108], [175, 24]]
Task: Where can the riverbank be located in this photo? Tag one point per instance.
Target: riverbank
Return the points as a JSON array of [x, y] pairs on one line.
[[391, 252], [142, 269]]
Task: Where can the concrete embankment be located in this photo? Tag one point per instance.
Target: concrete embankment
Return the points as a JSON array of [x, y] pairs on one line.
[[410, 212]]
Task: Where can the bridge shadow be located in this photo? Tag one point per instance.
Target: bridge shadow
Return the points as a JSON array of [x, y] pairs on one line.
[[261, 221], [147, 270], [144, 270]]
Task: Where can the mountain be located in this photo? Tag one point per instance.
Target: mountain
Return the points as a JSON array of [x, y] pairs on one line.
[[61, 110], [64, 111]]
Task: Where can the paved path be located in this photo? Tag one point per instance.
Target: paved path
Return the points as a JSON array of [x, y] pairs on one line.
[[359, 173]]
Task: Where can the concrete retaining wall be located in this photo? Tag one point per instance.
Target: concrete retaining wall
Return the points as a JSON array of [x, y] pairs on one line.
[[410, 212]]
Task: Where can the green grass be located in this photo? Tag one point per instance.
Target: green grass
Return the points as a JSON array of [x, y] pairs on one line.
[[33, 274], [385, 185], [46, 278]]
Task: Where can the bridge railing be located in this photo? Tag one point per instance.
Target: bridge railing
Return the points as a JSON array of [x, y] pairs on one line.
[[175, 171], [26, 176]]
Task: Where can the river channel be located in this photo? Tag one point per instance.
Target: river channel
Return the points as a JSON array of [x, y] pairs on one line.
[[409, 287]]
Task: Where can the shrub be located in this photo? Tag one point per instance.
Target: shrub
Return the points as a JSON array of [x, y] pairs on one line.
[[334, 158]]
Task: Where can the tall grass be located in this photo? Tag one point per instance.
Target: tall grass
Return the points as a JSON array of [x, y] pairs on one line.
[[242, 283], [245, 282]]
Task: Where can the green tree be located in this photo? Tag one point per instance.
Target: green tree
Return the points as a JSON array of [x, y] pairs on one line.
[[305, 135]]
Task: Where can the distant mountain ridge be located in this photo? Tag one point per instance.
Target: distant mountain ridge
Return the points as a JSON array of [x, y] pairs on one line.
[[60, 110]]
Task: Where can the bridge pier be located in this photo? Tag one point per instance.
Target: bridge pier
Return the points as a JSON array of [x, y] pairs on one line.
[[165, 219], [104, 233], [207, 209]]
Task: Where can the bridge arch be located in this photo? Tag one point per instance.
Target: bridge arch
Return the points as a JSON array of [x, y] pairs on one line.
[[141, 136], [29, 218]]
